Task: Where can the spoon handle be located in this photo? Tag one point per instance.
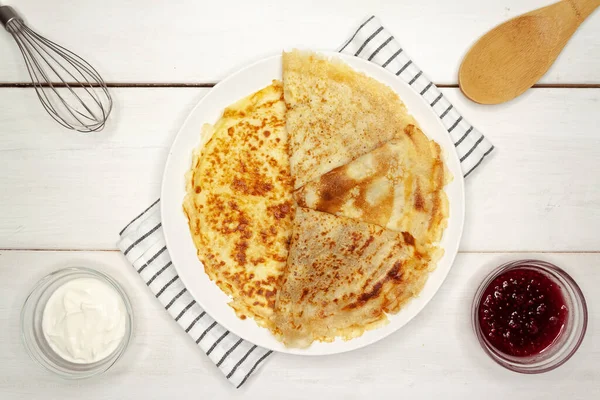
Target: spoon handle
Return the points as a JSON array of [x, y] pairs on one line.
[[583, 8]]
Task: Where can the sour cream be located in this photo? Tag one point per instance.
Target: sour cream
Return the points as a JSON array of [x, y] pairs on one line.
[[84, 320]]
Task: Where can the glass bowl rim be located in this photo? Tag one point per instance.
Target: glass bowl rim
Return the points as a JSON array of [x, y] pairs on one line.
[[550, 269], [34, 295]]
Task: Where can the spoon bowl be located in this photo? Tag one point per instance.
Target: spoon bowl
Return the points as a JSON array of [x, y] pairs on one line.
[[513, 56]]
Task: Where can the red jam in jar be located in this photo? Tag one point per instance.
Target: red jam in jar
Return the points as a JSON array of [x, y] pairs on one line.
[[522, 312]]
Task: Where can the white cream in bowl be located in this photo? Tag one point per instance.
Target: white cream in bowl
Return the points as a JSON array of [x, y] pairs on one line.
[[84, 320]]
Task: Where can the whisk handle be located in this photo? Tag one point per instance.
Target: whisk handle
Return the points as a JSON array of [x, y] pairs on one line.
[[8, 14]]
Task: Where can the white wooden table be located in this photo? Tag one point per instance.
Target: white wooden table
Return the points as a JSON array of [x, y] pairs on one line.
[[64, 196]]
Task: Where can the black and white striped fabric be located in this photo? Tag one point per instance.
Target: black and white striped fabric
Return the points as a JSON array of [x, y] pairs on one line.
[[143, 243], [373, 42]]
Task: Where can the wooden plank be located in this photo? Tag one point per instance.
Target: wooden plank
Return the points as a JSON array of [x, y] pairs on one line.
[[60, 189], [537, 191], [76, 182], [438, 347], [199, 41]]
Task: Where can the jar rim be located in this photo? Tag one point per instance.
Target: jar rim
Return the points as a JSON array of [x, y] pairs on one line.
[[32, 315], [575, 329]]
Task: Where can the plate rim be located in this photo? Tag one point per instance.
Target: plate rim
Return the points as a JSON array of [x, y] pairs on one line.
[[449, 153]]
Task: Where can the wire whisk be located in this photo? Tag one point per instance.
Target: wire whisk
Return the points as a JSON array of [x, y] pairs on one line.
[[69, 88]]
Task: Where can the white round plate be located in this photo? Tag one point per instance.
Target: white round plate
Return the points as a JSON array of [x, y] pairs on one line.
[[175, 224]]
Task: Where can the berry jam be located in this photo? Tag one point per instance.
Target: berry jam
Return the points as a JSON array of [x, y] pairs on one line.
[[522, 312]]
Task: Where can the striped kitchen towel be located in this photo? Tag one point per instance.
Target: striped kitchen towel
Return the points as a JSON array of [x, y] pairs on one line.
[[373, 42], [143, 243]]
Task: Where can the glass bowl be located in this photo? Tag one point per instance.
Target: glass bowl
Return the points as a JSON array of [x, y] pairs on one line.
[[566, 343], [33, 336]]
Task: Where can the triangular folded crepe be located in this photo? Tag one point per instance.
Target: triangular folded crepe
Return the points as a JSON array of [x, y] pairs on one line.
[[335, 114], [398, 186], [342, 277]]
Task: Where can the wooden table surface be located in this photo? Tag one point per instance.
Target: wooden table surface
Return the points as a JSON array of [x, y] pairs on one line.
[[65, 196]]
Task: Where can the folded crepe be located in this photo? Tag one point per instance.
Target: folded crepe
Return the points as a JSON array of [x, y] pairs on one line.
[[335, 114], [398, 186], [343, 276]]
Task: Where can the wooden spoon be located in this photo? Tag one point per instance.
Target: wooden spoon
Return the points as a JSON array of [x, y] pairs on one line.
[[513, 56]]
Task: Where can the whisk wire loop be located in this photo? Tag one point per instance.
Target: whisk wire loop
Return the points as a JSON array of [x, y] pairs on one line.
[[69, 88]]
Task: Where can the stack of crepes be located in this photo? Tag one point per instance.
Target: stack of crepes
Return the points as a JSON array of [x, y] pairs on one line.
[[317, 204]]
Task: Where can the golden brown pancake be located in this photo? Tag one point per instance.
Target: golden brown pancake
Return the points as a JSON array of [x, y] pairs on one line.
[[343, 276], [370, 188], [239, 202], [335, 114], [398, 186]]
